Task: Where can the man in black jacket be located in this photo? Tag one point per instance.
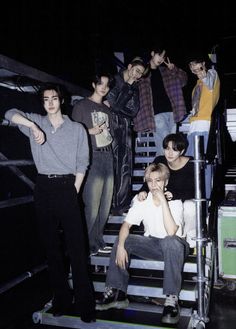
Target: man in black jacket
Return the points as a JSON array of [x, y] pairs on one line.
[[123, 99]]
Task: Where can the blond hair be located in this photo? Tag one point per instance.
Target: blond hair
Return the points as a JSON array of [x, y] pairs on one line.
[[158, 167]]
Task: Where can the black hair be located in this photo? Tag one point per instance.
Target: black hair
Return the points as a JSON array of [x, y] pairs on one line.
[[179, 142], [138, 61], [62, 93], [158, 50], [198, 56], [51, 86], [98, 78]]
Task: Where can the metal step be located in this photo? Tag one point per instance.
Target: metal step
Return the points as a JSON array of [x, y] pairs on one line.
[[143, 159], [115, 219], [136, 187], [145, 139], [186, 294], [190, 267], [138, 173], [120, 320], [146, 149], [230, 187]]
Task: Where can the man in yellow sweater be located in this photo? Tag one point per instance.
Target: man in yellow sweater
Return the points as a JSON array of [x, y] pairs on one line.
[[205, 96]]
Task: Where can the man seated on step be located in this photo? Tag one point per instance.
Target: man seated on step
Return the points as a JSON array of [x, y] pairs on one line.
[[162, 222]]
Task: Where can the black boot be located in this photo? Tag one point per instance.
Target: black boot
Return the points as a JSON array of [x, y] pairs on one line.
[[112, 298], [170, 313]]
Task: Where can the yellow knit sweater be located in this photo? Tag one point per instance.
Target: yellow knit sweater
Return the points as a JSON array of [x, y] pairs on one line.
[[208, 100]]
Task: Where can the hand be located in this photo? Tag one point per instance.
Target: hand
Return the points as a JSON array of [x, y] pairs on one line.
[[169, 195], [107, 103], [96, 130], [131, 80], [170, 65], [201, 74], [159, 193], [142, 196], [39, 135], [77, 189], [121, 257]]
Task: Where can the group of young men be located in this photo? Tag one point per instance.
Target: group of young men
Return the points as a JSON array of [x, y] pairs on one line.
[[73, 156]]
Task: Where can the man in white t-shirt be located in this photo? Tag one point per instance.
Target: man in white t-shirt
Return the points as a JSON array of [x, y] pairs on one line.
[[162, 222]]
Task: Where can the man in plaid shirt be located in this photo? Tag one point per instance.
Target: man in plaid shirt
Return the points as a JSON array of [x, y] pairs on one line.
[[162, 102]]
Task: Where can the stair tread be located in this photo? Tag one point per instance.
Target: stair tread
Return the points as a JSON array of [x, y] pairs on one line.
[[136, 262], [151, 288], [135, 315]]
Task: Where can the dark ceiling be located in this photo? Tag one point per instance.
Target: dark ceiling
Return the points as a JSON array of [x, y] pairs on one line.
[[71, 39]]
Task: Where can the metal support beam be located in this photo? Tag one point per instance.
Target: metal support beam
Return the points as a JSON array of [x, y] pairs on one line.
[[6, 163], [16, 201], [18, 172], [32, 73]]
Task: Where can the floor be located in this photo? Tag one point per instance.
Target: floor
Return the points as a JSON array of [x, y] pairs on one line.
[[19, 303]]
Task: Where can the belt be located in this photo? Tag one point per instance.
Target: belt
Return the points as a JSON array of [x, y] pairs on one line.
[[103, 149], [56, 176]]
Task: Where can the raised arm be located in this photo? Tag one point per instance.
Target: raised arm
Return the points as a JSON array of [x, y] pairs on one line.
[[18, 118], [168, 220]]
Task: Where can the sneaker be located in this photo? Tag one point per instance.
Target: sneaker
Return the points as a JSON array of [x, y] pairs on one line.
[[105, 250], [170, 313], [112, 298], [93, 253]]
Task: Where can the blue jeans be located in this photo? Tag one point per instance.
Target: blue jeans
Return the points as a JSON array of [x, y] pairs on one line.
[[97, 197], [165, 125], [171, 249]]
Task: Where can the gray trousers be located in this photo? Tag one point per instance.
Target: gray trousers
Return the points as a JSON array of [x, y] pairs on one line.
[[171, 249]]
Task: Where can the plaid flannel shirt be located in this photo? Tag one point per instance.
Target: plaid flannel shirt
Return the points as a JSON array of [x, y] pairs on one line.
[[173, 80]]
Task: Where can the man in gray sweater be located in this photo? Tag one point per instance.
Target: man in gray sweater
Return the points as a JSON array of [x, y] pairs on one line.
[[60, 151]]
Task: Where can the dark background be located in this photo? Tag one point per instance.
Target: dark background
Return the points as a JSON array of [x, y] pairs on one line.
[[74, 39]]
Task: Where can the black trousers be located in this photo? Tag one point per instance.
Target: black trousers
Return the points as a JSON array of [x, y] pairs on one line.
[[57, 208], [123, 164]]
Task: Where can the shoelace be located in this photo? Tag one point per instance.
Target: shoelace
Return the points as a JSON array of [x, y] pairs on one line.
[[108, 292], [171, 300]]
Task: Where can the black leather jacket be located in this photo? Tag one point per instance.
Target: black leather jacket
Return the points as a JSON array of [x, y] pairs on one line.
[[123, 97]]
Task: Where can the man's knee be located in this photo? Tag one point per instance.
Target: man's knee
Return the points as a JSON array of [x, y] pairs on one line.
[[173, 243]]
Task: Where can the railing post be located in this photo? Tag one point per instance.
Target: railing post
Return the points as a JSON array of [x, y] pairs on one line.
[[200, 239]]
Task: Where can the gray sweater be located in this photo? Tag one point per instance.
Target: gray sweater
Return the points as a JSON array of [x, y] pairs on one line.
[[65, 150]]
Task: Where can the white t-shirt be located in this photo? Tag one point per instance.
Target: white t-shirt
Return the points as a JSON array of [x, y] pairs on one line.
[[152, 217]]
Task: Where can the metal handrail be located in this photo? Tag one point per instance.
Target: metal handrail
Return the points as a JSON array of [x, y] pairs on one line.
[[26, 275]]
